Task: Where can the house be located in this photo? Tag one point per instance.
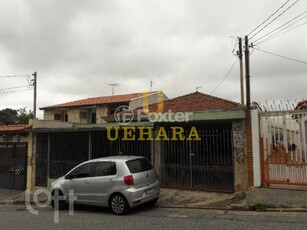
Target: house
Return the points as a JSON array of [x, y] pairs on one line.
[[94, 110], [215, 161], [16, 156]]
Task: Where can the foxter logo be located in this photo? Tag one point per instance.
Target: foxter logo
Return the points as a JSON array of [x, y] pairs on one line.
[[124, 115], [160, 102]]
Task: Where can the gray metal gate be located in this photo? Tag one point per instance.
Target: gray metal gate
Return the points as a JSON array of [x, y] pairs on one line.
[[13, 165], [68, 149], [206, 164]]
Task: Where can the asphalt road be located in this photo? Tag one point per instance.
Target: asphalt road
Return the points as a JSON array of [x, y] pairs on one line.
[[18, 217]]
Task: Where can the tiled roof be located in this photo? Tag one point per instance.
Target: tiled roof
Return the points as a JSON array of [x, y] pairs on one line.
[[302, 105], [97, 101], [14, 128], [195, 102]]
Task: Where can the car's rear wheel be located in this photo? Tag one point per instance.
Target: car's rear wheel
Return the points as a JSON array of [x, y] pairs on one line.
[[119, 204]]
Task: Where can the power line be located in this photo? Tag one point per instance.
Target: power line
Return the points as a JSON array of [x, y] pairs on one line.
[[15, 87], [278, 33], [281, 56], [15, 91], [268, 17], [15, 76], [235, 46], [233, 65], [283, 26], [275, 18]]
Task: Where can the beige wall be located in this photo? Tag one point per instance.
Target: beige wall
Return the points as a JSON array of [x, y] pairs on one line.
[[240, 155], [101, 111], [74, 114], [49, 115]]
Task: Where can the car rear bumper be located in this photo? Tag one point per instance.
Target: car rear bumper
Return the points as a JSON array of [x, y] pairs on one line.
[[138, 196]]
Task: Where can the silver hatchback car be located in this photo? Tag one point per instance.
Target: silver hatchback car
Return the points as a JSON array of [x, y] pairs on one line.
[[117, 182]]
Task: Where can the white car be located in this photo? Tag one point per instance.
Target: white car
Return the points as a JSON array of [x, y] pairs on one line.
[[117, 182]]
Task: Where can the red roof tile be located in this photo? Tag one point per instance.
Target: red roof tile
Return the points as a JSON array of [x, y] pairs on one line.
[[14, 128], [195, 102], [302, 105], [97, 101]]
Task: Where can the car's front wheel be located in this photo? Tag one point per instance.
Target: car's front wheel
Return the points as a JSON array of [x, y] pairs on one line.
[[119, 204], [57, 201]]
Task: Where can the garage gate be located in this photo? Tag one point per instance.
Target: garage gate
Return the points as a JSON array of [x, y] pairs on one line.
[[13, 165], [206, 164], [57, 153]]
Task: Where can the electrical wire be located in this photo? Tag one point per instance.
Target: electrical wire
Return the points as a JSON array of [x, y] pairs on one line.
[[15, 87], [283, 26], [278, 34], [235, 46], [281, 56], [233, 65], [268, 17], [15, 91], [15, 76], [274, 19]]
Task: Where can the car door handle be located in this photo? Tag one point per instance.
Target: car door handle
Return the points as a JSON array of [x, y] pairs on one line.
[[86, 182]]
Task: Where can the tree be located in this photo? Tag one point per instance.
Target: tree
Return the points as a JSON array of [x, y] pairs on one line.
[[10, 116]]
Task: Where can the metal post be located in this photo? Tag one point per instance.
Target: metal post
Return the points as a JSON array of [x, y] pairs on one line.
[[34, 94], [48, 159], [89, 146], [191, 171], [241, 71], [247, 76]]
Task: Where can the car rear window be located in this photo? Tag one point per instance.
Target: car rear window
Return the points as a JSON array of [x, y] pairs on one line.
[[139, 165]]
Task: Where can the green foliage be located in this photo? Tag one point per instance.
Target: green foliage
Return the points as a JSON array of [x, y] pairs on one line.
[[11, 116], [261, 207]]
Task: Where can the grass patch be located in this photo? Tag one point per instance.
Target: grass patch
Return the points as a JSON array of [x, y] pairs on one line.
[[285, 206], [261, 207]]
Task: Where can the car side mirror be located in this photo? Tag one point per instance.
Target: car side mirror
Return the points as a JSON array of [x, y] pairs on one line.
[[68, 177]]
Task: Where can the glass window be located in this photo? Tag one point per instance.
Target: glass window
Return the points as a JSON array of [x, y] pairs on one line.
[[105, 169], [139, 165], [57, 117], [82, 171]]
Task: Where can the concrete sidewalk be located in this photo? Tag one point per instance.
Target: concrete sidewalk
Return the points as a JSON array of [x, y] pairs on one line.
[[278, 198], [8, 194], [259, 199]]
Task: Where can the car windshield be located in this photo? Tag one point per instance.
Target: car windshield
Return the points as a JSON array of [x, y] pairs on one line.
[[139, 165]]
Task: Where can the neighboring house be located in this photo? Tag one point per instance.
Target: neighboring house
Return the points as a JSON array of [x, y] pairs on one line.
[[94, 110], [15, 157]]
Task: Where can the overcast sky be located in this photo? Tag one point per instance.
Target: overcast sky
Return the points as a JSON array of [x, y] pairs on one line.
[[78, 47]]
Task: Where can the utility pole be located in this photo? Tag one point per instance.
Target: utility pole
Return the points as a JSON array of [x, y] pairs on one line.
[[34, 93], [151, 83], [241, 71], [247, 76]]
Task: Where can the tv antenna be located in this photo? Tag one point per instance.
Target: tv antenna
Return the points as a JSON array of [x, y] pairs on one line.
[[113, 87], [151, 83], [198, 87]]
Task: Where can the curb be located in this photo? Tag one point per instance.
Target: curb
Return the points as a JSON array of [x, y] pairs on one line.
[[231, 207], [193, 207], [286, 210]]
